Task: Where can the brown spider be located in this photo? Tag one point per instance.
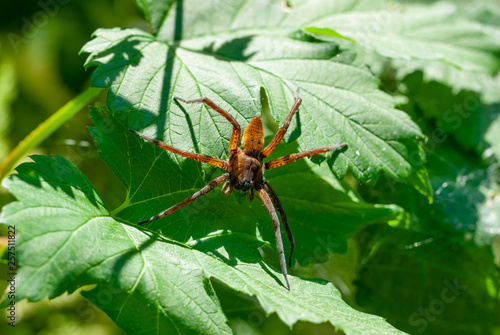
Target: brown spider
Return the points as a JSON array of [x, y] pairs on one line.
[[245, 169]]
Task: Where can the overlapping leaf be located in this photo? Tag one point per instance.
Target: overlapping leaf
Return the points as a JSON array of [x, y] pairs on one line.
[[458, 46], [432, 33], [151, 284], [458, 79]]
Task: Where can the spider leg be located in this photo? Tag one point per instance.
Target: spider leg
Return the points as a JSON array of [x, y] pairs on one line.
[[284, 220], [197, 157], [264, 196], [227, 189], [204, 190], [282, 131], [235, 136], [293, 157]]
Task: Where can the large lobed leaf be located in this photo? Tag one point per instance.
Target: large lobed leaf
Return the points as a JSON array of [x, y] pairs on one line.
[[146, 282], [229, 57]]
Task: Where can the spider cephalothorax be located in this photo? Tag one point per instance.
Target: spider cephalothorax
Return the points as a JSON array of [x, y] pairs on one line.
[[245, 169]]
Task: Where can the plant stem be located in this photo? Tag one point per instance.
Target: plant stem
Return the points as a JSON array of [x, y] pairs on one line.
[[46, 128]]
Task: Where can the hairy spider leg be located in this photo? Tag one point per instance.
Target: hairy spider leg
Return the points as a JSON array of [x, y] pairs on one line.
[[235, 136], [277, 233], [282, 131], [197, 157], [293, 157], [284, 220], [204, 190]]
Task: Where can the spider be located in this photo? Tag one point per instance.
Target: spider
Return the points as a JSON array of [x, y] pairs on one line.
[[245, 169]]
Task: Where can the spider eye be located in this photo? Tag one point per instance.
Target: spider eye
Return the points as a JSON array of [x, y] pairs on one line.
[[247, 179]]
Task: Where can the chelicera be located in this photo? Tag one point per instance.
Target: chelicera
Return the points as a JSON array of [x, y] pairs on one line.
[[245, 169]]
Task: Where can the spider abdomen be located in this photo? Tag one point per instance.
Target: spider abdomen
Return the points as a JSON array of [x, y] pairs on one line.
[[253, 137]]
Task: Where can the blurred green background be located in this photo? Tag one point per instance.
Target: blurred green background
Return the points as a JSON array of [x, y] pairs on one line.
[[387, 271], [40, 71]]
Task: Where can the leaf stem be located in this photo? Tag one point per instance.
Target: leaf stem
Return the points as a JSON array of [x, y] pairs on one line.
[[46, 128]]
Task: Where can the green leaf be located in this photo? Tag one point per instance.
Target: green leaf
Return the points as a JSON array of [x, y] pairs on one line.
[[320, 213], [462, 116], [458, 79], [465, 191], [448, 276], [342, 103], [457, 46], [431, 33], [146, 282], [484, 11], [454, 275]]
